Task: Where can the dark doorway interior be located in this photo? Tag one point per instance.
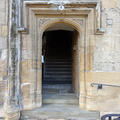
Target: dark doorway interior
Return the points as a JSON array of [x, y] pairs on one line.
[[58, 84], [57, 52]]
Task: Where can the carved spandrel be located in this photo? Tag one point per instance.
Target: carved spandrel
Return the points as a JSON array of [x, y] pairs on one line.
[[42, 21], [79, 21], [45, 20]]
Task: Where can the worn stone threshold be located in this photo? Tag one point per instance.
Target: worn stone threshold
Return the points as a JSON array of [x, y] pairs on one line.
[[59, 112]]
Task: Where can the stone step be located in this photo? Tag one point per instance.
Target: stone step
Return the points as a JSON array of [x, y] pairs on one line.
[[57, 91], [60, 99], [57, 81], [59, 59], [59, 73], [58, 86], [60, 112], [58, 69], [58, 77], [59, 64]]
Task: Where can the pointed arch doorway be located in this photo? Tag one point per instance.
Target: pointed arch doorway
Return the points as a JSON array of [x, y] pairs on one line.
[[60, 65]]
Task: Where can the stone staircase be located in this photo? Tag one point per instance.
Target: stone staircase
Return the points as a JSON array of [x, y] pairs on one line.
[[58, 71], [59, 99], [59, 94], [59, 103]]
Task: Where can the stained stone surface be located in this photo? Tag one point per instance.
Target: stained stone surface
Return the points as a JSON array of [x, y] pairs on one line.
[[59, 112], [100, 62], [3, 55]]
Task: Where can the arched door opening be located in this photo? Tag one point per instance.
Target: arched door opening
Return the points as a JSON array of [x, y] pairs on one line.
[[60, 64]]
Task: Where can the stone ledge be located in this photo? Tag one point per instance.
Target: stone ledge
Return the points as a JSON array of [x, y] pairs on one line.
[[64, 2]]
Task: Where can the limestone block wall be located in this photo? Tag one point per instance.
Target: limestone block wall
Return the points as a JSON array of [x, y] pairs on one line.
[[3, 50], [105, 61], [102, 60]]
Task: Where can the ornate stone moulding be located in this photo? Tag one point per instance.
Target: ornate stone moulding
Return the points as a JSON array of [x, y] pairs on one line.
[[51, 7], [38, 15], [59, 1]]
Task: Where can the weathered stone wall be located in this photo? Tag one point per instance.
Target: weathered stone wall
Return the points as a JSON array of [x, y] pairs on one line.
[[102, 60], [9, 74], [105, 61], [3, 50]]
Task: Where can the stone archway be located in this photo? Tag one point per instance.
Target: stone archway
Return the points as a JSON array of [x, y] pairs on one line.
[[49, 23], [36, 17], [60, 75], [35, 70]]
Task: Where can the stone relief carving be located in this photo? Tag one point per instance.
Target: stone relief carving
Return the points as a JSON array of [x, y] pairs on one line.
[[79, 21], [44, 20], [41, 22]]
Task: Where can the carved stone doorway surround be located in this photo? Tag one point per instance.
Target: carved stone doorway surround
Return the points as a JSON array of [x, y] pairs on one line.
[[37, 16], [42, 23], [38, 24]]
